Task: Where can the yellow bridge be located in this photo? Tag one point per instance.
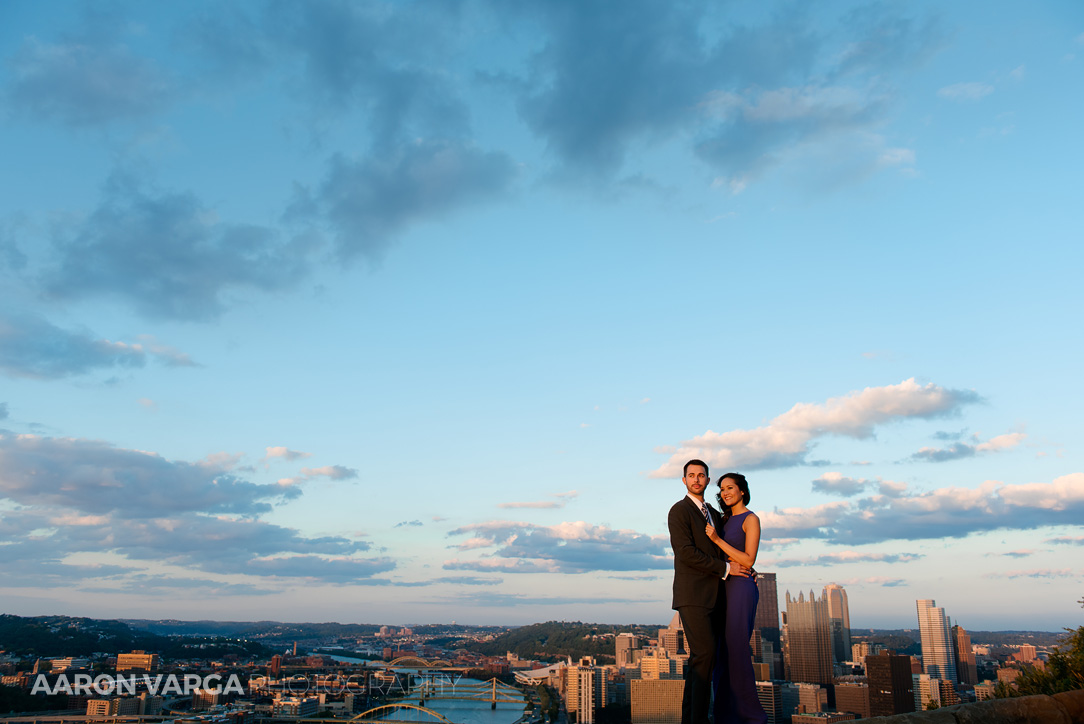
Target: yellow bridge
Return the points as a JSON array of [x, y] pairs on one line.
[[400, 712], [493, 691], [414, 662]]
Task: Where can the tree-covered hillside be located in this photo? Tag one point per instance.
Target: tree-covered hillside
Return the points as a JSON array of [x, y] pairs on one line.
[[557, 639]]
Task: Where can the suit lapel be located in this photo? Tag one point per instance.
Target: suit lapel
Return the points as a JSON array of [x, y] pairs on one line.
[[712, 549]]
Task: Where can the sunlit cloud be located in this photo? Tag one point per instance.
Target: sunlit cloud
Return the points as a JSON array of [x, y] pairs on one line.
[[787, 440]]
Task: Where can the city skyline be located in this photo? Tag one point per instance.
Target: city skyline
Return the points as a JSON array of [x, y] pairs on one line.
[[411, 313]]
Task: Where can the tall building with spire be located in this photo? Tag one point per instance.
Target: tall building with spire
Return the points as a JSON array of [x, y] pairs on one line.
[[938, 660], [672, 638], [839, 622], [809, 646]]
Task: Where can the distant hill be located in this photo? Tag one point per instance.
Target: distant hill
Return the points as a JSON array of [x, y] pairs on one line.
[[71, 636], [898, 638], [557, 639], [273, 630], [68, 636], [279, 632]]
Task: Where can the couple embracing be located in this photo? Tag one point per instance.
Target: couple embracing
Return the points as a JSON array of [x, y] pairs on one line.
[[715, 593]]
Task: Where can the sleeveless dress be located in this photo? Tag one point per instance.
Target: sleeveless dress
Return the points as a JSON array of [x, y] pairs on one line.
[[736, 700]]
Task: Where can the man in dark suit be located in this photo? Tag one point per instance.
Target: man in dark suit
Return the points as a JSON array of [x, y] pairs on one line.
[[699, 595]]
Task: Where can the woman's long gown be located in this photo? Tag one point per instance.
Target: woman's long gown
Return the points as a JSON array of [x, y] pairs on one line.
[[736, 700]]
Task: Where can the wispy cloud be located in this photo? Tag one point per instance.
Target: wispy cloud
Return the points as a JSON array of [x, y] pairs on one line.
[[562, 500], [834, 559], [86, 81], [367, 201], [331, 472], [839, 484], [1067, 540], [468, 580], [285, 453], [787, 440], [31, 346], [1014, 554], [946, 512], [962, 450], [84, 496], [169, 256], [883, 581], [1036, 573], [966, 91], [573, 547]]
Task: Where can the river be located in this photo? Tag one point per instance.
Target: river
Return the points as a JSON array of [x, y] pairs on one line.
[[462, 712]]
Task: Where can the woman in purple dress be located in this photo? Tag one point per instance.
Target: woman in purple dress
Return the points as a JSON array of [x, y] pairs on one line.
[[735, 687]]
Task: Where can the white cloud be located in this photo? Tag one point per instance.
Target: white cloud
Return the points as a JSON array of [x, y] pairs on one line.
[[839, 484], [1001, 442], [1065, 493], [335, 472], [285, 453], [786, 440], [943, 513], [569, 547]]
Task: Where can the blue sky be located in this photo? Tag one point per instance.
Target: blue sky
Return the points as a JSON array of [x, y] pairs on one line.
[[410, 312]]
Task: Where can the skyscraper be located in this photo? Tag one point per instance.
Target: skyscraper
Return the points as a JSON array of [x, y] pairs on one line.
[[672, 638], [624, 645], [809, 647], [586, 690], [839, 621], [766, 625], [965, 657], [890, 685], [767, 618], [933, 625]]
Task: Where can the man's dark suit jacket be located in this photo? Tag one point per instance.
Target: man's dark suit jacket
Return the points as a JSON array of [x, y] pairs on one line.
[[699, 564]]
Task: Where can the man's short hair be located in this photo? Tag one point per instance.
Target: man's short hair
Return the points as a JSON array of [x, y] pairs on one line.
[[701, 463]]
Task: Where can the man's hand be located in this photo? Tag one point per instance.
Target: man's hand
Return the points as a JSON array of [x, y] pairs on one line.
[[737, 569]]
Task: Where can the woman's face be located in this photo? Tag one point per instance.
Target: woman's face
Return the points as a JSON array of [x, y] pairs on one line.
[[729, 492]]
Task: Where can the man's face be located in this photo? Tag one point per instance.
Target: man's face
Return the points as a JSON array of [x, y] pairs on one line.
[[696, 480]]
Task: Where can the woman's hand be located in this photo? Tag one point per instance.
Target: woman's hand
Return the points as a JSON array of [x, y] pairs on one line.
[[710, 530]]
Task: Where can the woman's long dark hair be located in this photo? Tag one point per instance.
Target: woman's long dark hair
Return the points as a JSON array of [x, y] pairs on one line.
[[743, 486]]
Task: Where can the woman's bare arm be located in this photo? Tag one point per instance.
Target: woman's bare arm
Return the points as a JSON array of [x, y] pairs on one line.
[[751, 526]]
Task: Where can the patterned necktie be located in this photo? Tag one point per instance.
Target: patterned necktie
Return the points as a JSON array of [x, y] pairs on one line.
[[704, 510]]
